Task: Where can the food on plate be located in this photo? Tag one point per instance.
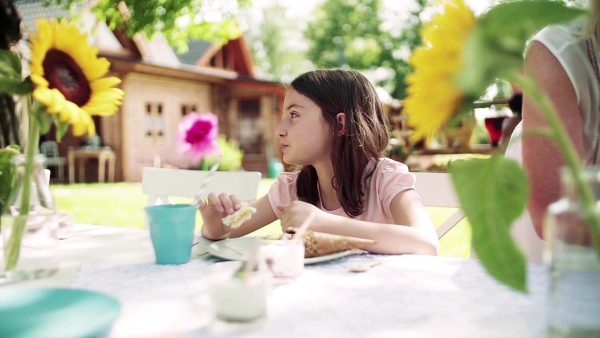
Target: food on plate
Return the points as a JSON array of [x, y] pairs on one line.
[[237, 218], [319, 244]]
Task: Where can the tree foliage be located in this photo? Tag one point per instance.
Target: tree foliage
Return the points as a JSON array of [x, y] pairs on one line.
[[347, 33], [354, 34], [276, 45], [408, 39], [177, 20]]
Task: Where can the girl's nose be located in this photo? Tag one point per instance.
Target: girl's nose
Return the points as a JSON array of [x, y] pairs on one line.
[[280, 132]]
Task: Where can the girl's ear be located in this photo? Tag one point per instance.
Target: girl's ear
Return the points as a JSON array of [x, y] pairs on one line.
[[341, 119]]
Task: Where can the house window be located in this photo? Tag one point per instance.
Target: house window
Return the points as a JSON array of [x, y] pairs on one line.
[[149, 120], [154, 121], [159, 121], [250, 126], [187, 108]]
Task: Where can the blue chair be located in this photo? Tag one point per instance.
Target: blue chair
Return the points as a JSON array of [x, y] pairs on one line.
[[50, 150]]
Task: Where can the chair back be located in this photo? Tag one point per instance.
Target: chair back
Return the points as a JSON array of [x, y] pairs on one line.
[[49, 149], [160, 184], [436, 190]]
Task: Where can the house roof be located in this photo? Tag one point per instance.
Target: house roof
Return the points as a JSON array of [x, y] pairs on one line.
[[30, 10], [115, 45], [196, 48]]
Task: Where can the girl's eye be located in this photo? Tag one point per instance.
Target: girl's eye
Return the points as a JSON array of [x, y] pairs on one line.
[[293, 114]]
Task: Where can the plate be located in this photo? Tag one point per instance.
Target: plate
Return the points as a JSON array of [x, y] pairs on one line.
[[238, 249], [44, 312]]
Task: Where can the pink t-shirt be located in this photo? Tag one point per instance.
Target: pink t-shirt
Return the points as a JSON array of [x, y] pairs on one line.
[[389, 179]]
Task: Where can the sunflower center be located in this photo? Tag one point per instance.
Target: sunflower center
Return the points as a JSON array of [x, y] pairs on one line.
[[198, 132], [63, 73]]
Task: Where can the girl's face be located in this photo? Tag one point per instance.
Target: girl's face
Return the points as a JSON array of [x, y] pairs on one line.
[[305, 135]]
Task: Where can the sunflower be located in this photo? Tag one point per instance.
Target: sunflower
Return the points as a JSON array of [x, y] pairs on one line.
[[433, 97], [68, 76]]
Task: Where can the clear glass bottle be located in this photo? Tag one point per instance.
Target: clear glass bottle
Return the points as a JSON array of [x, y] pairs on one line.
[[30, 241], [573, 303]]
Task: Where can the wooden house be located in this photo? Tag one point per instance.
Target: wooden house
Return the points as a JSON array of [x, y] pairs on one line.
[[161, 86]]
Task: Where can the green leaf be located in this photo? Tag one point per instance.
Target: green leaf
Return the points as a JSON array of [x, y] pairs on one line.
[[483, 63], [11, 81], [496, 46], [10, 62], [16, 87], [61, 128], [44, 120], [492, 193], [510, 25]]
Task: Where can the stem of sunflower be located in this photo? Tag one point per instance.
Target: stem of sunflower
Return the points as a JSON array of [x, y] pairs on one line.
[[13, 246], [559, 135]]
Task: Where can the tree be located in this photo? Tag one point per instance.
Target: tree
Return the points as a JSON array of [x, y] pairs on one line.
[[365, 36], [347, 33], [177, 20], [277, 46], [405, 38]]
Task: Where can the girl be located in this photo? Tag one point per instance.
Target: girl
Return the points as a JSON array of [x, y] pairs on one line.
[[333, 126]]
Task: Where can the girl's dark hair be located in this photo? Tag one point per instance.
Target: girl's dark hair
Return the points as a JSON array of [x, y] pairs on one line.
[[343, 91]]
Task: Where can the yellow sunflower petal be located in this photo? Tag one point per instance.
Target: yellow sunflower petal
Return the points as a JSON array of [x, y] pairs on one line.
[[84, 123], [39, 80], [433, 98], [57, 105], [98, 68], [72, 114], [50, 98], [105, 83]]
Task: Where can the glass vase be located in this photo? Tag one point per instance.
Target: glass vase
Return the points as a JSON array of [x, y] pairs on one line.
[[30, 241], [573, 303]]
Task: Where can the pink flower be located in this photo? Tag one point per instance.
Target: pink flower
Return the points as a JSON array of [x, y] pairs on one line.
[[197, 136]]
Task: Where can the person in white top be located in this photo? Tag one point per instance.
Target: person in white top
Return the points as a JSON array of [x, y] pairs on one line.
[[563, 59]]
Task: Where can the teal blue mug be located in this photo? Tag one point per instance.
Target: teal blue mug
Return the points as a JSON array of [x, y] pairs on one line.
[[172, 232]]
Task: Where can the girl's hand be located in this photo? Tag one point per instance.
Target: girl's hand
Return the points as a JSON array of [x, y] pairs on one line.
[[296, 212], [213, 211]]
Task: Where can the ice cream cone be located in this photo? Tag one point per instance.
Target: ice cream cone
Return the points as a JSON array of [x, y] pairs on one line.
[[319, 244]]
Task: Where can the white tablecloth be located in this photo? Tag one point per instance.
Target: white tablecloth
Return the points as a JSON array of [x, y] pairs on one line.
[[406, 296]]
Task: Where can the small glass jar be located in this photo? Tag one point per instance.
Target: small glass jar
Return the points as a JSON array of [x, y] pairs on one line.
[[30, 242], [573, 303]]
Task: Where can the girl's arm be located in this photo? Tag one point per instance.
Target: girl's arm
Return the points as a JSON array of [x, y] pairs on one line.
[[541, 159], [213, 227], [412, 233]]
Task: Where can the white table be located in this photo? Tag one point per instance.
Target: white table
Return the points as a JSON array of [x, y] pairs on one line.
[[406, 296]]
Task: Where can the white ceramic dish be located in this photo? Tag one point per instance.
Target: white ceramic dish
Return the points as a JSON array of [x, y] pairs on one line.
[[238, 249]]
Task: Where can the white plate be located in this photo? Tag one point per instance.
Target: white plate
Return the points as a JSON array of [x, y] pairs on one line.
[[238, 249]]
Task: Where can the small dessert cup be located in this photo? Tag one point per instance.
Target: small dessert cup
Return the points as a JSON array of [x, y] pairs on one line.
[[238, 302], [284, 258]]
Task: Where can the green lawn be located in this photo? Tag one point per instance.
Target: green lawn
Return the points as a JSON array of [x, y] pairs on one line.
[[121, 205]]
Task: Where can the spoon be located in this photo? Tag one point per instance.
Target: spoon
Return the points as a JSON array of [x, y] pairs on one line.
[[206, 180], [366, 266]]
